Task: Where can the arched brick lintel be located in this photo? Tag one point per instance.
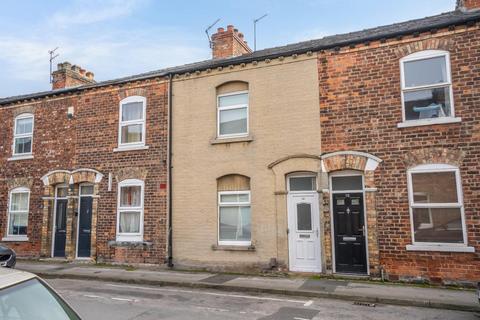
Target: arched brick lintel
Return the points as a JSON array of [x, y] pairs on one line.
[[434, 155], [72, 177], [349, 160], [125, 93], [427, 44]]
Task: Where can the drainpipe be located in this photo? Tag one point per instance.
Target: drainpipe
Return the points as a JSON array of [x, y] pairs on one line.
[[170, 210]]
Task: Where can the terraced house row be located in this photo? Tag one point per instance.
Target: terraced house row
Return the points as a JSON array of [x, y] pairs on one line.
[[356, 153]]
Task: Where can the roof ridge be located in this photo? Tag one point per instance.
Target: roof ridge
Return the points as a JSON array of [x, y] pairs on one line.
[[368, 34]]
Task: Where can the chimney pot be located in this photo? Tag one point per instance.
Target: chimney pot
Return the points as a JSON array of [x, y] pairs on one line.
[[68, 75], [63, 66], [468, 5], [229, 44]]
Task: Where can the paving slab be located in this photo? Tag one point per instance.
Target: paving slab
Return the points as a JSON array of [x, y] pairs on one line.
[[267, 282], [350, 290], [219, 278]]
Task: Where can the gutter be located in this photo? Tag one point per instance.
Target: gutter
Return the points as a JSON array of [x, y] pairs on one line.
[[170, 184]]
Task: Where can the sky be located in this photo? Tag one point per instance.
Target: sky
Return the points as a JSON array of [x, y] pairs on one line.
[[117, 38]]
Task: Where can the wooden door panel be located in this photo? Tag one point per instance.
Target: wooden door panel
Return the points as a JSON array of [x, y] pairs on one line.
[[350, 249]]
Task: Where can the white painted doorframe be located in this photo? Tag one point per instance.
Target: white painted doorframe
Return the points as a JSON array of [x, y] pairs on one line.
[[304, 245]]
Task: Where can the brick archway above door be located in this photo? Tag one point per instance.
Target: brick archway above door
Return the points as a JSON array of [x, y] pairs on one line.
[[349, 160], [71, 177]]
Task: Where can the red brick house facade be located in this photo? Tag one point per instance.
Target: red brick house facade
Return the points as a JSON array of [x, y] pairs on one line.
[[398, 180], [361, 110], [73, 170]]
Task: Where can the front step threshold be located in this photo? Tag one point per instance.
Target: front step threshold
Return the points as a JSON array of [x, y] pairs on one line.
[[352, 276]]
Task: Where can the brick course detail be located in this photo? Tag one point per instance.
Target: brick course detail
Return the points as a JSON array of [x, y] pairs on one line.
[[360, 107], [88, 141]]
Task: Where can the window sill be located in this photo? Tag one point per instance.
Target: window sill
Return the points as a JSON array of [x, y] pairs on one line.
[[132, 148], [15, 239], [248, 138], [441, 248], [428, 122], [129, 244], [217, 247], [20, 157]]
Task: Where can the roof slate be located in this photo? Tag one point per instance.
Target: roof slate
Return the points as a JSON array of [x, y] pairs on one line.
[[443, 20]]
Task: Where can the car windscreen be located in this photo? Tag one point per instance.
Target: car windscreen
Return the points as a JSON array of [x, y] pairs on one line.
[[33, 300]]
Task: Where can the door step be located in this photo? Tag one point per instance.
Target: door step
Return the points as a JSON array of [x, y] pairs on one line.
[[352, 276]]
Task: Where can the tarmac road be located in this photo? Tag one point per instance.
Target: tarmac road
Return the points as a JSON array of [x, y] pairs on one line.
[[103, 300]]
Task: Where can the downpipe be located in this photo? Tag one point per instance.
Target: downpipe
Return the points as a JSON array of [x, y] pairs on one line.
[[170, 184]]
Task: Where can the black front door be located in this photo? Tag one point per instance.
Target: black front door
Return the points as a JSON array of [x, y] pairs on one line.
[[60, 228], [350, 253], [84, 227]]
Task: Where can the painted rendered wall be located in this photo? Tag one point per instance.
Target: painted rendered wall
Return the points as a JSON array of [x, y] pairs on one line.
[[284, 121]]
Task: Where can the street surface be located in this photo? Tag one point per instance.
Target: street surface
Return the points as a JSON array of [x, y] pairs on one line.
[[102, 300]]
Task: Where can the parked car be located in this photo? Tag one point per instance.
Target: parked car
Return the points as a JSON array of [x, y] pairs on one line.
[[8, 258], [24, 296], [478, 292]]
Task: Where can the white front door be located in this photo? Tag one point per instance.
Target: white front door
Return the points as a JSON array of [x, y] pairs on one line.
[[304, 232]]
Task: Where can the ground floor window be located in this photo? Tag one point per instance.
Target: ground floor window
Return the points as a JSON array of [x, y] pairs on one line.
[[18, 212], [436, 205], [234, 217], [130, 210]]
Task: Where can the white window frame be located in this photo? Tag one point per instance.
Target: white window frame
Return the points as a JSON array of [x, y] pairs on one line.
[[302, 175], [143, 122], [437, 246], [22, 135], [14, 237], [237, 106], [422, 55], [233, 204], [133, 236]]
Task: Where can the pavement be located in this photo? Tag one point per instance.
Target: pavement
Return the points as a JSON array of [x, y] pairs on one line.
[[350, 290]]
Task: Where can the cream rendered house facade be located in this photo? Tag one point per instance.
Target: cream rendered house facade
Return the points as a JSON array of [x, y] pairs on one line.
[[246, 159]]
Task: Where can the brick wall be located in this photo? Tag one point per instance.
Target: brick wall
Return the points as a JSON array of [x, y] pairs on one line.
[[360, 106], [228, 43], [54, 141], [88, 141]]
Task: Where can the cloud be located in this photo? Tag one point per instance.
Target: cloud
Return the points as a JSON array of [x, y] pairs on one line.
[[109, 50], [110, 55], [93, 11], [24, 59]]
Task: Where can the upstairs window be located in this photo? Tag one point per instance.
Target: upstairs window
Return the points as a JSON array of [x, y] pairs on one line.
[[233, 114], [130, 210], [23, 135], [18, 212], [132, 122], [232, 109], [436, 205], [427, 86]]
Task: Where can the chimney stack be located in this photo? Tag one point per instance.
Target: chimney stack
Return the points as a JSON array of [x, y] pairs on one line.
[[468, 5], [228, 43], [67, 76]]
